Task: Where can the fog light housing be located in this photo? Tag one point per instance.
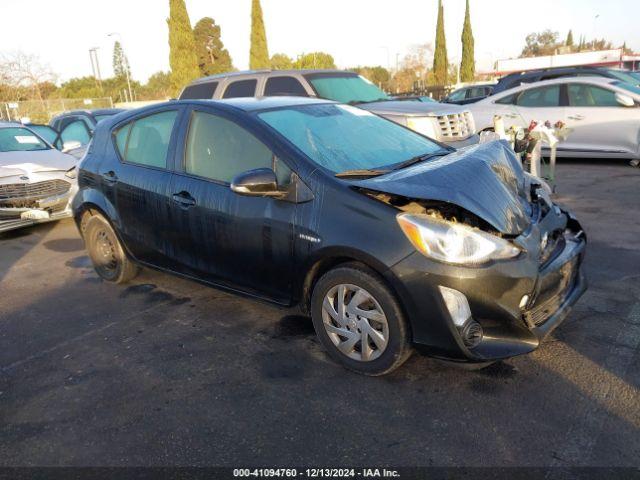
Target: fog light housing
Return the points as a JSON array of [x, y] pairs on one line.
[[472, 334], [457, 306]]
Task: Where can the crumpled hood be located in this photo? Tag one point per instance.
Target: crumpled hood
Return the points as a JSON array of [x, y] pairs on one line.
[[486, 179], [411, 108], [14, 164]]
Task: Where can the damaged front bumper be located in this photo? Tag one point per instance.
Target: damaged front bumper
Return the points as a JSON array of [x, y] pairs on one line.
[[517, 303], [24, 210]]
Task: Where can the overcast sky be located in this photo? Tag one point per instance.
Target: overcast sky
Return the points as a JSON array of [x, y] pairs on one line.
[[355, 32]]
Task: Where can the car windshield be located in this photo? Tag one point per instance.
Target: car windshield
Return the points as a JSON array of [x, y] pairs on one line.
[[344, 138], [347, 89], [635, 89], [16, 139]]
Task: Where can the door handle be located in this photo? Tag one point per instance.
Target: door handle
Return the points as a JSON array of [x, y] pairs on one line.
[[184, 199], [110, 177], [577, 116]]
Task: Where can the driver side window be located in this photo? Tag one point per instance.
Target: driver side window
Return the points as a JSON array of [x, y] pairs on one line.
[[219, 149]]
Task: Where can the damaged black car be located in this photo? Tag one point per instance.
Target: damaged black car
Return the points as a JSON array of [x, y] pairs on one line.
[[389, 240]]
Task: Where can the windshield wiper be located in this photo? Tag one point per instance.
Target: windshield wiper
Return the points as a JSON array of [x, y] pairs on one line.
[[421, 158], [361, 173], [361, 102]]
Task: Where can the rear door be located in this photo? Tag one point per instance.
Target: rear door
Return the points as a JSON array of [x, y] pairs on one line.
[[540, 104], [245, 243], [598, 123], [140, 182]]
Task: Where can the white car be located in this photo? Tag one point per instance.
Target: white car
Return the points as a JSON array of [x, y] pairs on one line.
[[602, 113], [37, 182]]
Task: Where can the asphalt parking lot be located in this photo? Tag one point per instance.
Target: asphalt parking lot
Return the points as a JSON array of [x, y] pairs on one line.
[[168, 372]]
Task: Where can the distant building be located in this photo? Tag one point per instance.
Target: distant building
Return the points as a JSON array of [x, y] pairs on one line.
[[603, 58]]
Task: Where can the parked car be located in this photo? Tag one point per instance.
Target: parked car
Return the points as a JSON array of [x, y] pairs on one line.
[[470, 94], [388, 238], [520, 78], [415, 98], [37, 181], [79, 125], [446, 123], [602, 113]]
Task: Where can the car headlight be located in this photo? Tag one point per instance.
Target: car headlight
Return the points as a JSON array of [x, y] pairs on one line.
[[71, 173], [454, 243], [423, 125]]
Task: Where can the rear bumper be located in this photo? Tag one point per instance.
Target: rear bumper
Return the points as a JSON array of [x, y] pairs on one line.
[[495, 296]]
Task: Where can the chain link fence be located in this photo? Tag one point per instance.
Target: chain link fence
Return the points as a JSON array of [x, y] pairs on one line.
[[42, 111]]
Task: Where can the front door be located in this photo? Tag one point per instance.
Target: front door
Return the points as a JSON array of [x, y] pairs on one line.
[[598, 123], [245, 243]]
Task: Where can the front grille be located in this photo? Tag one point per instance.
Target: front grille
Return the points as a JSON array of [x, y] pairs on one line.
[[456, 125], [32, 191]]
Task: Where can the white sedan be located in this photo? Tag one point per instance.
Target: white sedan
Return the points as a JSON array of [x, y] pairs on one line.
[[37, 182], [602, 113]]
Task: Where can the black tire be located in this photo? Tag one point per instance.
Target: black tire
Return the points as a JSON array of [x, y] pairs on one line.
[[108, 257], [398, 348]]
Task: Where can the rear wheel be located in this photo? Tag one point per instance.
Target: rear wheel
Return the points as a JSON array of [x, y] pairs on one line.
[[359, 321], [108, 257]]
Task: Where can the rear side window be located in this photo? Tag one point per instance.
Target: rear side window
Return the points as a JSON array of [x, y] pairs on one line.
[[540, 97], [459, 95], [241, 88], [284, 86], [199, 91], [219, 149], [581, 95], [146, 140]]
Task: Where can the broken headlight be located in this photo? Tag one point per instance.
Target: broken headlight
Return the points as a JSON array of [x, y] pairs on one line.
[[454, 243]]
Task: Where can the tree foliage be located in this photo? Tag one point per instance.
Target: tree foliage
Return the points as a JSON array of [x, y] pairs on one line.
[[468, 64], [280, 61], [158, 87], [569, 41], [121, 66], [212, 56], [440, 61], [538, 44], [378, 75], [24, 75], [314, 60], [259, 52], [182, 51]]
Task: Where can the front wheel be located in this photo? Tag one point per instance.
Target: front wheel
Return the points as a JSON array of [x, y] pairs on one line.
[[108, 257], [359, 321]]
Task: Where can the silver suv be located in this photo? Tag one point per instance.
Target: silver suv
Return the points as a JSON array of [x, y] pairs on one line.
[[449, 124]]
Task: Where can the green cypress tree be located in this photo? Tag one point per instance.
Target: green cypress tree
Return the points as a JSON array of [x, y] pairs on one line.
[[120, 62], [259, 53], [569, 42], [468, 64], [182, 48], [212, 56], [440, 61]]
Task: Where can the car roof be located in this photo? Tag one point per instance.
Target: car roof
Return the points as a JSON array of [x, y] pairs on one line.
[[260, 72], [97, 111], [252, 104], [554, 81]]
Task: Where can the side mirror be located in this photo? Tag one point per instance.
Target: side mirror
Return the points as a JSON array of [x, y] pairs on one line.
[[70, 145], [260, 182], [625, 100]]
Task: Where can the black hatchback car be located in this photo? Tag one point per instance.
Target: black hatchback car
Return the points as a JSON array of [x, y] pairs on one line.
[[388, 239]]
